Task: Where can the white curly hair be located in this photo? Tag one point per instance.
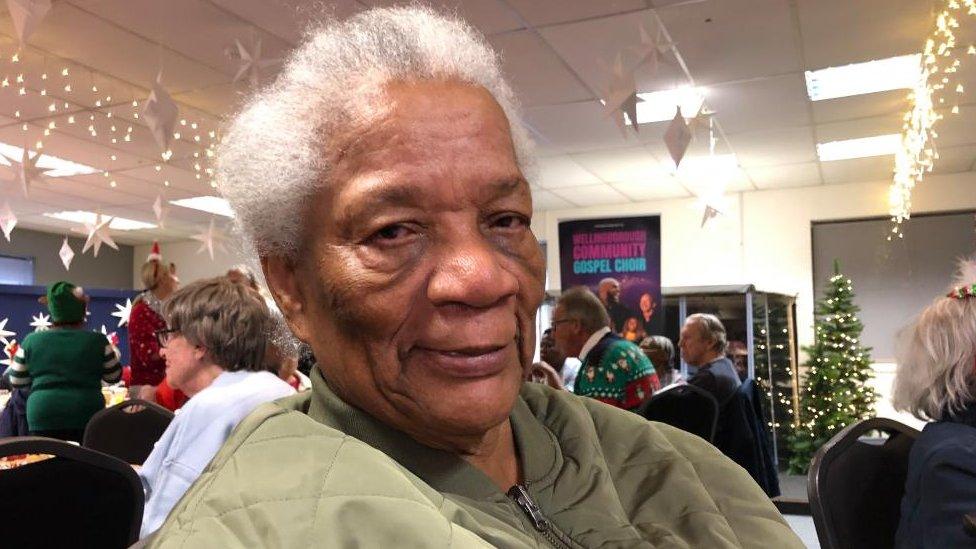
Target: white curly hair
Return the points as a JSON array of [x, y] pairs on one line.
[[274, 154], [936, 372]]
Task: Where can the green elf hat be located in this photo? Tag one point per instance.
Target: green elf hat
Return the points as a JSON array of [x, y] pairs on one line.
[[66, 302]]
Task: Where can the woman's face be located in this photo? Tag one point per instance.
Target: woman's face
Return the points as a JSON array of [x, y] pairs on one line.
[[423, 277]]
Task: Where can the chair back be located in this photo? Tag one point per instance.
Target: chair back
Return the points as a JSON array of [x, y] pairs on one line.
[[855, 484], [77, 498], [127, 435], [686, 407]]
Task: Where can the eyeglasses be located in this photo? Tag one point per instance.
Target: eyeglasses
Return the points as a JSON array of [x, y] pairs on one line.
[[165, 335]]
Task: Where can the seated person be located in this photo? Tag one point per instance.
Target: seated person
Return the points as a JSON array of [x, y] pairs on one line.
[[214, 349], [64, 367], [398, 246], [702, 344], [660, 351], [613, 370], [936, 381], [551, 361]]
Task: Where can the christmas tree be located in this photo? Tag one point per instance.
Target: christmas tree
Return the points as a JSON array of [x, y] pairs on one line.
[[835, 388]]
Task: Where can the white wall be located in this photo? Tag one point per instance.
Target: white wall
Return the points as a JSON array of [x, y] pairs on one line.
[[191, 265]]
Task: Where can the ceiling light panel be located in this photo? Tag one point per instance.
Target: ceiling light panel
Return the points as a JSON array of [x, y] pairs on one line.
[[893, 73]]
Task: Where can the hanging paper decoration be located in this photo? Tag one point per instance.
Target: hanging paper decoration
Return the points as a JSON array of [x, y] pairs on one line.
[[677, 138], [710, 213], [160, 210], [160, 114], [622, 96], [10, 349], [7, 220], [122, 312], [27, 16], [251, 62], [66, 254], [40, 322], [210, 239], [5, 333], [26, 169], [98, 235]]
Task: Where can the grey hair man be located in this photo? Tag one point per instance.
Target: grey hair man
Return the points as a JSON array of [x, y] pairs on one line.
[[702, 343], [380, 180]]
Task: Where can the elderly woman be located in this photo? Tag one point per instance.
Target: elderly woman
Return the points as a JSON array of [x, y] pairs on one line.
[[380, 181], [214, 347], [936, 380]]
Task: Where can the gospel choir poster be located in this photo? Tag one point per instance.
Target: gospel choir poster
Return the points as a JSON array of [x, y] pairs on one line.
[[627, 250]]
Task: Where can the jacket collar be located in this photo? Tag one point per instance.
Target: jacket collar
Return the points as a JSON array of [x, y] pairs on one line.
[[443, 471]]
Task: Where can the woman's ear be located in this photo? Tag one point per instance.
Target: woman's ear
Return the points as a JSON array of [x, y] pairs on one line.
[[282, 278]]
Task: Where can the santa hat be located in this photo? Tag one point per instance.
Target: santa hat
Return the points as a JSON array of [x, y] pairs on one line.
[[154, 253]]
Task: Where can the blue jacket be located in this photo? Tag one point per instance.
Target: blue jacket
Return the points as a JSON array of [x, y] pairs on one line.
[[941, 485]]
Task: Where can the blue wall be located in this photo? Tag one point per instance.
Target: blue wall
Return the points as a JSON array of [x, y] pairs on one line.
[[19, 304]]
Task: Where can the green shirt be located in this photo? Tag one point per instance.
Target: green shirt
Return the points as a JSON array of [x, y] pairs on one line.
[[64, 368]]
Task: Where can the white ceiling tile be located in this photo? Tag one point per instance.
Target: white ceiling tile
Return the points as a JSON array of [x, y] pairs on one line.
[[546, 200], [562, 171], [723, 41], [775, 102], [771, 147], [860, 106], [576, 127], [488, 16], [651, 189], [631, 164], [856, 170], [537, 74], [860, 127], [285, 18], [546, 12], [956, 129], [592, 195], [955, 159], [840, 32], [787, 175]]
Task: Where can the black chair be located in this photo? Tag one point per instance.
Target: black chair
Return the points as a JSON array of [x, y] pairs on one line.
[[686, 407], [129, 436], [78, 498], [856, 484]]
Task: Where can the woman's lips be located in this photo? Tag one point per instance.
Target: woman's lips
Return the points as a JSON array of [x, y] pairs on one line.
[[468, 362]]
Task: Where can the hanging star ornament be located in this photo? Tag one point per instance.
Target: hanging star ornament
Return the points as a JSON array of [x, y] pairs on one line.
[[251, 62], [5, 333], [10, 349], [622, 96], [709, 213], [27, 16], [122, 312], [160, 114], [7, 220], [651, 49], [26, 169], [98, 235], [677, 138], [160, 210], [210, 239], [66, 254], [40, 322]]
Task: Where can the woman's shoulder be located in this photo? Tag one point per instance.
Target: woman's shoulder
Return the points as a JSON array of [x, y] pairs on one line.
[[946, 441]]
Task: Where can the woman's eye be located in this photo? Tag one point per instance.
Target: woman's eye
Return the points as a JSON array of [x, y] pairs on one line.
[[511, 221], [392, 233]]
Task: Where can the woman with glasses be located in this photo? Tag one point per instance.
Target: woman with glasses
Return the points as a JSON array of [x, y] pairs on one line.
[[214, 346]]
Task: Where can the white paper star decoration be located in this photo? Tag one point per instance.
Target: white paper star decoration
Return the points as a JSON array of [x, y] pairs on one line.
[[98, 235], [160, 210], [622, 96], [7, 220], [27, 16], [26, 169], [210, 239], [5, 333], [66, 254], [40, 322], [709, 213], [251, 62], [122, 312], [10, 349], [677, 138], [160, 114]]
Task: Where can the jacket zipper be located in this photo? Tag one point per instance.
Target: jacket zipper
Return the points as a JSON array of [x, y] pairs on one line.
[[521, 496]]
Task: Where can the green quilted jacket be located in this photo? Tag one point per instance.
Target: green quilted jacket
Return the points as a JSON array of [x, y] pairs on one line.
[[312, 471]]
